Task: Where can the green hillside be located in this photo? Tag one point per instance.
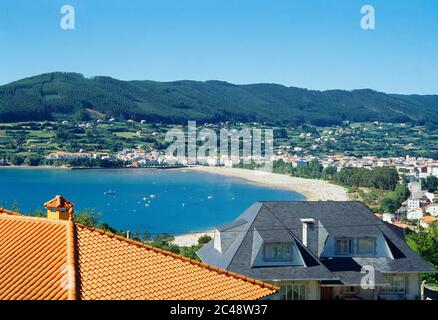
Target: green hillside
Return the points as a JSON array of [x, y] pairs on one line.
[[44, 96]]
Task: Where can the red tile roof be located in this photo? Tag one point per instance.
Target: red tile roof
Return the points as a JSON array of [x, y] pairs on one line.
[[46, 259], [32, 258], [59, 202]]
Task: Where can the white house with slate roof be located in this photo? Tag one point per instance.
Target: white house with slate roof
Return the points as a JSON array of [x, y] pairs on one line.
[[317, 250]]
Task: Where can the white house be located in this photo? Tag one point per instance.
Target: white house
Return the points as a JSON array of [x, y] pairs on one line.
[[299, 247], [432, 209], [414, 214], [413, 203], [414, 186], [68, 155], [388, 217]]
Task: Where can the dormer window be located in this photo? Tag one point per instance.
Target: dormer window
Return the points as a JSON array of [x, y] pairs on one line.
[[366, 245], [278, 251], [343, 247]]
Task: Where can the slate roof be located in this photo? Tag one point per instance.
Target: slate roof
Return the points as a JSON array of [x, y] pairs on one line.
[[280, 221], [59, 260]]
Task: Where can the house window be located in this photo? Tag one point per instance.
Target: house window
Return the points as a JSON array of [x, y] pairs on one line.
[[366, 246], [397, 284], [278, 252], [343, 247], [351, 289], [293, 292]]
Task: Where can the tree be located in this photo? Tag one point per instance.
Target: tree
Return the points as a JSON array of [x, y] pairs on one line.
[[16, 159], [147, 236], [426, 245], [88, 217], [402, 192], [385, 178], [204, 239], [165, 241], [329, 172], [389, 204], [315, 168], [33, 160], [430, 183], [82, 115]]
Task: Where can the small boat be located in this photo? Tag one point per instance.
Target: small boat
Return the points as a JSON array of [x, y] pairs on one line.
[[153, 196], [109, 192], [210, 197]]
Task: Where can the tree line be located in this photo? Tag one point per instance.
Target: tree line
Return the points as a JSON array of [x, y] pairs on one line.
[[384, 178]]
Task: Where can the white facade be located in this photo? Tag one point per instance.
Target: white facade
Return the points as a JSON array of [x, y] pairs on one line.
[[388, 217], [414, 186], [414, 214], [432, 210], [68, 155], [413, 203]]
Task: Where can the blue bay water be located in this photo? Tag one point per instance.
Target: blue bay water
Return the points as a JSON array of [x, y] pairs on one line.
[[182, 200]]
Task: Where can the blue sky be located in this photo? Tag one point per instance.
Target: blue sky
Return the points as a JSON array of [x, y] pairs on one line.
[[315, 44]]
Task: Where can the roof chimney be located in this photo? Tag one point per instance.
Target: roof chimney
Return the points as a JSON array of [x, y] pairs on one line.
[[59, 208], [306, 222]]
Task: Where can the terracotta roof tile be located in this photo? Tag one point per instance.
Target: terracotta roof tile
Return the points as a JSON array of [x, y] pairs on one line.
[[58, 202], [55, 259], [32, 254]]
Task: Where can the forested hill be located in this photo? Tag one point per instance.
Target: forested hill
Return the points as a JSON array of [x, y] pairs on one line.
[[56, 94]]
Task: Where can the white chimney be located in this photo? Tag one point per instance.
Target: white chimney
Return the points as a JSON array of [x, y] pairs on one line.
[[306, 222], [217, 241]]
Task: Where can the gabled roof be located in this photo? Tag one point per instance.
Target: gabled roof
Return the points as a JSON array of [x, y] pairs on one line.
[[281, 220], [56, 259]]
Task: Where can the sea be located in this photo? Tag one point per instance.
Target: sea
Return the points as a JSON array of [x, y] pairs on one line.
[[158, 201]]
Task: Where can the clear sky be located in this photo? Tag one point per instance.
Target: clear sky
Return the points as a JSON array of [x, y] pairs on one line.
[[317, 44]]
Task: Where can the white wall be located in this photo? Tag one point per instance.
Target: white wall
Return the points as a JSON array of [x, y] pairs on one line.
[[432, 210], [414, 215]]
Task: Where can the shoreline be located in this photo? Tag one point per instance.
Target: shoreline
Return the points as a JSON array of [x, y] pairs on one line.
[[311, 189], [36, 167]]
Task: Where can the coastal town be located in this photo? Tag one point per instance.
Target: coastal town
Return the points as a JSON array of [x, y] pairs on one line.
[[219, 159], [142, 145]]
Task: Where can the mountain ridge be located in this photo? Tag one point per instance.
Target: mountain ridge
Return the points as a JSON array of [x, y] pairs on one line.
[[42, 96]]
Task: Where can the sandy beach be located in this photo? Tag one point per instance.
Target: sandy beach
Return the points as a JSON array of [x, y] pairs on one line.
[[190, 239], [312, 190]]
